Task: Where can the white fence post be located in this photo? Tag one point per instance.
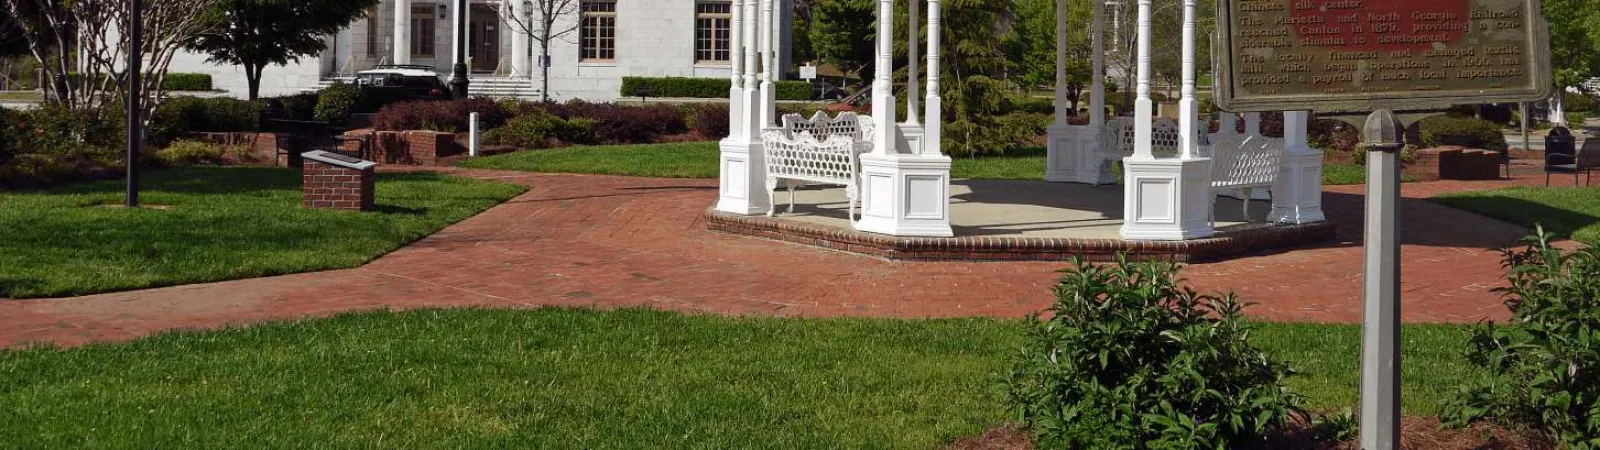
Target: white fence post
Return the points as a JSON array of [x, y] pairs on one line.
[[472, 140]]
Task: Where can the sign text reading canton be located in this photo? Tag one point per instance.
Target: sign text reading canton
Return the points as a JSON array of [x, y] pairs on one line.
[[1359, 55]]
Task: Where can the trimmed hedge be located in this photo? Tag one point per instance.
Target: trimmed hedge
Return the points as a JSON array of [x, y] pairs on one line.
[[1467, 132], [685, 87], [449, 116], [187, 82], [179, 116]]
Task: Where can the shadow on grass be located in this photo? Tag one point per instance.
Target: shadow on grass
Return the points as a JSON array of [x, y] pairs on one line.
[[1562, 222]]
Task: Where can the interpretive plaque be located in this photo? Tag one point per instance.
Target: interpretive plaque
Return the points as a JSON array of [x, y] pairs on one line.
[[1365, 55]]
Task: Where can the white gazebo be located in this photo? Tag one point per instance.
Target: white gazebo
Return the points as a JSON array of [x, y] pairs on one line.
[[1172, 170]]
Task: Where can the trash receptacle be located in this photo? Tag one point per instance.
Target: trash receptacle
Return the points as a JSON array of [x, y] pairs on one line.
[[1559, 147]]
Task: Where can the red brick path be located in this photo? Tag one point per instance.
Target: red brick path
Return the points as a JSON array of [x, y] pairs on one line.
[[630, 242]]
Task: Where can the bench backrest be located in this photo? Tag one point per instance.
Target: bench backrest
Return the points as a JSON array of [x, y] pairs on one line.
[[1119, 134], [822, 127], [1239, 160]]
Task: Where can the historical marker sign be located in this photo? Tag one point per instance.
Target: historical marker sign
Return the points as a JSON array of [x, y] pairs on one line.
[[1365, 55]]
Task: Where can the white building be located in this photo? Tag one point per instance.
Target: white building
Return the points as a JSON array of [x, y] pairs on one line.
[[610, 39]]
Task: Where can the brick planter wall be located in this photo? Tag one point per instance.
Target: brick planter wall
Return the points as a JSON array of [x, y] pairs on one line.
[[1456, 163], [330, 181], [416, 148]]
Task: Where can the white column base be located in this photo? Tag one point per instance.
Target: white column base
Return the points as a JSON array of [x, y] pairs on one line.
[[1297, 197], [1074, 156], [743, 178], [1167, 199], [905, 195]]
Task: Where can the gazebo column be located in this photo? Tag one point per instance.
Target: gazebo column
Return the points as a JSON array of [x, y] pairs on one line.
[[905, 186], [743, 179], [768, 90], [1166, 199], [1074, 150], [1297, 196]]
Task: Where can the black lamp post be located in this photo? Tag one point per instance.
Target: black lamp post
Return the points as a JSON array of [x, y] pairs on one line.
[[458, 74], [135, 85]]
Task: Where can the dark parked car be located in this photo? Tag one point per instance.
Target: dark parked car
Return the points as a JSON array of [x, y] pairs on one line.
[[403, 83]]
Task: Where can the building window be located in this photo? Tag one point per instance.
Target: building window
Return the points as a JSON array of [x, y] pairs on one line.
[[598, 34], [713, 22], [373, 26], [422, 32]]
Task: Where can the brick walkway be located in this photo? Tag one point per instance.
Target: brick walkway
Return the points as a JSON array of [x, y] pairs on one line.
[[629, 242]]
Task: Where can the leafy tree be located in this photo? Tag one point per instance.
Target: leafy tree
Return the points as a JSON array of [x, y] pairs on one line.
[[550, 20], [843, 33], [1574, 40], [258, 33], [1033, 46]]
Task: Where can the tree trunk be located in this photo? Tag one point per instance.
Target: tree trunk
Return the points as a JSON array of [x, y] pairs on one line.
[[252, 75], [544, 72]]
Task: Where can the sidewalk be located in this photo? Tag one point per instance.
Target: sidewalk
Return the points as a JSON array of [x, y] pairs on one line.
[[616, 242]]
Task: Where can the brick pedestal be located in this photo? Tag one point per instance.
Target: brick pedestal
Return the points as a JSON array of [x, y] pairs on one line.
[[335, 181]]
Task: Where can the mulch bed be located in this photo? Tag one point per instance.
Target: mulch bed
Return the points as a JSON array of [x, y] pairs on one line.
[[1416, 434]]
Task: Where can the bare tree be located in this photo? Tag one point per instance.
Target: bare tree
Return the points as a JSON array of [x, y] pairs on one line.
[[88, 34], [547, 22]]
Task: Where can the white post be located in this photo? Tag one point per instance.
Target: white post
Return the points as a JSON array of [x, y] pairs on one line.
[[1297, 195], [402, 31], [883, 106], [1227, 123], [736, 71], [769, 94], [1097, 90], [519, 41], [1188, 139], [1143, 109], [1252, 124], [1061, 62], [472, 140], [932, 131], [912, 75]]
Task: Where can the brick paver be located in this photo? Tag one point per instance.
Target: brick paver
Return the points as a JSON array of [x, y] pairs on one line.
[[611, 242]]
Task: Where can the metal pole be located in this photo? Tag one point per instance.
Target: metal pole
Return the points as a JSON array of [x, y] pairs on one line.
[[135, 82], [458, 73], [1380, 326], [1526, 144]]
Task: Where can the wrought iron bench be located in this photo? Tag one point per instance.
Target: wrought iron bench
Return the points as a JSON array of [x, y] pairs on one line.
[[809, 151], [1118, 140], [1244, 163]]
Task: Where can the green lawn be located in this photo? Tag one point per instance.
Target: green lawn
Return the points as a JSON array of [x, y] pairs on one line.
[[1568, 212], [699, 160], [581, 379], [223, 223]]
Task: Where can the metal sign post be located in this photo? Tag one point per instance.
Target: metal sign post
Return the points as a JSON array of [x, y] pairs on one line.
[[135, 85], [1359, 57]]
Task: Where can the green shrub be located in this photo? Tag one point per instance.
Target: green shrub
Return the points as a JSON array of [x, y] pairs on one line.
[[537, 129], [1028, 104], [1462, 131], [1579, 103], [686, 87], [52, 144], [1539, 371], [179, 116], [187, 82], [337, 102], [1127, 359], [294, 107], [188, 153]]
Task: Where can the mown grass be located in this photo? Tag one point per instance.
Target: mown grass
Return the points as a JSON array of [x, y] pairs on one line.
[[582, 379], [1568, 212], [218, 224], [699, 160]]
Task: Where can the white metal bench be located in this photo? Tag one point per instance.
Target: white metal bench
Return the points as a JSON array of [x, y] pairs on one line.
[[1118, 138], [1245, 163], [819, 150]]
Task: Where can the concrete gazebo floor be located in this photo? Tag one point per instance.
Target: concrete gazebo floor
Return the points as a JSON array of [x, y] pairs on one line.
[[1018, 220]]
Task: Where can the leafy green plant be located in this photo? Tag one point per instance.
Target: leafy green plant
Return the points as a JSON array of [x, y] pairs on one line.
[[1467, 132], [1125, 358], [335, 103], [1542, 369], [178, 116], [535, 130], [1338, 427], [188, 153], [687, 87], [187, 82]]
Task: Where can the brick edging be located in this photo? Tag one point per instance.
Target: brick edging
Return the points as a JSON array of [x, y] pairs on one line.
[[1254, 238]]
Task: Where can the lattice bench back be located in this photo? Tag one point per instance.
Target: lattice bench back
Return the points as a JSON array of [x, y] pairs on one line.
[[1119, 137]]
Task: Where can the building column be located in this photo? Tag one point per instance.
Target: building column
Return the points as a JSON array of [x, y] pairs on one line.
[[1297, 195], [743, 186], [906, 191], [520, 45], [402, 32], [1166, 199]]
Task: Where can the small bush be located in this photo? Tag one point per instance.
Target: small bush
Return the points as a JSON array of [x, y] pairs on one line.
[[1579, 102], [1127, 359], [188, 153], [1539, 370], [538, 129], [711, 121], [336, 103], [1027, 104], [293, 107], [187, 82], [178, 116], [1500, 114], [686, 87], [1462, 131], [449, 116], [618, 124], [51, 145]]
